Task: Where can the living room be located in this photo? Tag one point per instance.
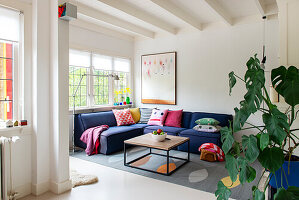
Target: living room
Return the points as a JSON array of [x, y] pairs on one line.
[[151, 70]]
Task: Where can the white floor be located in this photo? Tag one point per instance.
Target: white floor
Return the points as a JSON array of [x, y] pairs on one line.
[[120, 185]]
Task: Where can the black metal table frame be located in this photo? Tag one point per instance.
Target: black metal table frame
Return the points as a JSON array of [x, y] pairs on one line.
[[167, 158]]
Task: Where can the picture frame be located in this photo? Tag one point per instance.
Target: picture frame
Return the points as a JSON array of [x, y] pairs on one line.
[[158, 78]]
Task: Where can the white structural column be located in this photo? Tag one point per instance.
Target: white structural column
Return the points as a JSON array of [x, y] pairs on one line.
[[59, 68], [50, 147], [40, 96]]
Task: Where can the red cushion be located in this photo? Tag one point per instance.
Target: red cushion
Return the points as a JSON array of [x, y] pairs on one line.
[[123, 117], [174, 118]]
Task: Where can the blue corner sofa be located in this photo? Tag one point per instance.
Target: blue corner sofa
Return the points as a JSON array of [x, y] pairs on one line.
[[112, 139]]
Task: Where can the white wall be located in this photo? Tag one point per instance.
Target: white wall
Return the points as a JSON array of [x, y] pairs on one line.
[[21, 151], [204, 60], [95, 41], [101, 43]]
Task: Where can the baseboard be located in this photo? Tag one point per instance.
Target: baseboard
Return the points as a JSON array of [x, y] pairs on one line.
[[59, 188], [23, 190], [38, 189]]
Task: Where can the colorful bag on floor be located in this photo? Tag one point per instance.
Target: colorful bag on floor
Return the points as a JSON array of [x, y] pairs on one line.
[[208, 155], [214, 148]]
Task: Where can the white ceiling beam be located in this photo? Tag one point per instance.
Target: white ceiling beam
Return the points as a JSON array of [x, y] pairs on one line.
[[260, 7], [139, 14], [100, 29], [109, 19], [178, 12], [223, 15]]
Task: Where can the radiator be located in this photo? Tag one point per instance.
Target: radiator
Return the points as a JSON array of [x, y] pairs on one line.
[[6, 184]]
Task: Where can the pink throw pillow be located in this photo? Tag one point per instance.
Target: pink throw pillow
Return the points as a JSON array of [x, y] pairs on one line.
[[123, 117], [157, 117], [174, 118]]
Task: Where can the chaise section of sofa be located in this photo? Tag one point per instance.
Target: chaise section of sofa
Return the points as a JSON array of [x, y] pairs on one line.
[[112, 139], [197, 138]]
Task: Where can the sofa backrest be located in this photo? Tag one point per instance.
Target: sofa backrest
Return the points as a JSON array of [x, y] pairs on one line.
[[186, 117], [222, 118], [98, 118]]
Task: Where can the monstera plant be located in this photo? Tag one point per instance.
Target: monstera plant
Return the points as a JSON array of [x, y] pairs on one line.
[[275, 141]]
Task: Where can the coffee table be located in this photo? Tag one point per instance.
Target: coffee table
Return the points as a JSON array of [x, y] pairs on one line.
[[167, 145]]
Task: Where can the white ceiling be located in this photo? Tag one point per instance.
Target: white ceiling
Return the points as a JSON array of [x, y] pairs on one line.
[[161, 16], [150, 17]]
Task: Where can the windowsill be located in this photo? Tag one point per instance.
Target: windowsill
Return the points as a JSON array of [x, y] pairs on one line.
[[98, 109], [15, 131]]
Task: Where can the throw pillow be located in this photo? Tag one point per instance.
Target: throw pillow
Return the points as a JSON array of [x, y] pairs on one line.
[[135, 112], [145, 114], [207, 121], [123, 117], [157, 117], [207, 128], [174, 118]]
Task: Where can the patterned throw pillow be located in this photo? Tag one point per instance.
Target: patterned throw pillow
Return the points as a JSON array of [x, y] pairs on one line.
[[158, 117], [207, 121], [123, 117], [145, 114], [135, 112], [207, 128]]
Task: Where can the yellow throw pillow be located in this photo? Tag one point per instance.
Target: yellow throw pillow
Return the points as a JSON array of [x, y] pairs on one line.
[[135, 112]]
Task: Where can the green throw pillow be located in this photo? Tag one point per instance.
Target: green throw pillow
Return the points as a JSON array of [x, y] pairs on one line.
[[207, 121]]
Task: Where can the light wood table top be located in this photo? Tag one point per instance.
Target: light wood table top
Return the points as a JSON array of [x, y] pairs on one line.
[[147, 141]]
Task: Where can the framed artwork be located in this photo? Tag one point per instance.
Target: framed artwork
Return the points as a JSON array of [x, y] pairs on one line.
[[158, 78]]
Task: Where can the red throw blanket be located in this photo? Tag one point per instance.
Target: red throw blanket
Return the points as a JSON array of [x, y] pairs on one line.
[[91, 138]]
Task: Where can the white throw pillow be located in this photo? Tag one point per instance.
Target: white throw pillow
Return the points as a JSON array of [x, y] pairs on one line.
[[207, 128]]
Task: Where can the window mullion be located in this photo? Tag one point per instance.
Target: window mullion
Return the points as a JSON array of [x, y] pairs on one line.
[[90, 83], [111, 82]]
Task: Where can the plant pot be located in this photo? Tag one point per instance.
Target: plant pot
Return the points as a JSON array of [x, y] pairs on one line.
[[280, 175]]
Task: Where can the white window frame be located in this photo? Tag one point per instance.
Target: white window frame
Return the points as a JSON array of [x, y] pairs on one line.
[[90, 101], [17, 71]]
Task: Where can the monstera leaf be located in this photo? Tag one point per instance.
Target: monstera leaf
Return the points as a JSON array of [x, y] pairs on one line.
[[286, 83], [292, 193], [222, 192], [241, 116], [276, 124], [255, 80], [227, 139], [232, 81], [247, 173], [231, 165], [271, 158], [257, 194], [250, 144]]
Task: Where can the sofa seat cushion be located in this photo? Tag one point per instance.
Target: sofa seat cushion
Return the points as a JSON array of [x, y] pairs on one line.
[[117, 130], [198, 138], [139, 125], [112, 140], [195, 133], [168, 129]]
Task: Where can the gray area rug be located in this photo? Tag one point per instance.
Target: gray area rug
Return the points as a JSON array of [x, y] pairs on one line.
[[196, 174]]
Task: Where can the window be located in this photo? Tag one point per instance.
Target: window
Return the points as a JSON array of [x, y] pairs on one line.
[[9, 45], [97, 74]]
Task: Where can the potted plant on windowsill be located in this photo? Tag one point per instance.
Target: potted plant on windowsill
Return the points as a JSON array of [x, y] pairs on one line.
[[275, 141]]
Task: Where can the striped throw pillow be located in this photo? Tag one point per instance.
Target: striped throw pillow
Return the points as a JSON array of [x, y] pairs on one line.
[[145, 114]]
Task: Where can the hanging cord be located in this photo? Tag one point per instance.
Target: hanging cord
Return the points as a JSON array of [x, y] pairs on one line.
[[264, 42]]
